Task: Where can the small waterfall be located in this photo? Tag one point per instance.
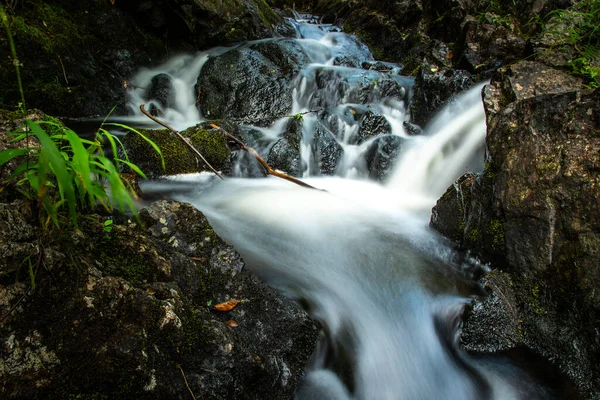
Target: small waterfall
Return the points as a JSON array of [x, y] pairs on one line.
[[359, 256]]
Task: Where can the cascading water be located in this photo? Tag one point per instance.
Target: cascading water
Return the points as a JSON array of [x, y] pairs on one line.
[[359, 256]]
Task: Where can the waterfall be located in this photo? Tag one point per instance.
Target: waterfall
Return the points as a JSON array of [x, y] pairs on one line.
[[359, 255]]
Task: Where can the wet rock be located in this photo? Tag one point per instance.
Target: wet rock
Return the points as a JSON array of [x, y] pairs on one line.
[[284, 157], [251, 83], [161, 90], [539, 194], [381, 156], [333, 86], [133, 317], [492, 323], [178, 157], [434, 87], [352, 52], [412, 129], [326, 151], [372, 124]]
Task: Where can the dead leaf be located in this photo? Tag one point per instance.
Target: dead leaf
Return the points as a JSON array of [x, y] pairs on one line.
[[232, 323], [227, 306]]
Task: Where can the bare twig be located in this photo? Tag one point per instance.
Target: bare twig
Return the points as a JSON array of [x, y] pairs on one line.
[[153, 118], [262, 162], [186, 384], [63, 69]]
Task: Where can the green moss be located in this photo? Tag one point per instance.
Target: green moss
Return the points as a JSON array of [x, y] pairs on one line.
[[474, 236], [179, 158], [496, 231], [268, 17]]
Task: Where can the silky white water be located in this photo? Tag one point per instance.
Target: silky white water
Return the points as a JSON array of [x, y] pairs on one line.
[[359, 255]]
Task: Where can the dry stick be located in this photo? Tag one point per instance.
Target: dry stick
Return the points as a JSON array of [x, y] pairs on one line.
[[186, 383], [262, 162], [153, 118]]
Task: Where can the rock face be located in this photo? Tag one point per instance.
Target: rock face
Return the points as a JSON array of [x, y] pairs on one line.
[[205, 23], [76, 56], [535, 213], [128, 314]]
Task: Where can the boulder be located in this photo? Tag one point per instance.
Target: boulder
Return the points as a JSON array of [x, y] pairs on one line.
[[178, 157], [132, 316], [372, 124], [326, 150], [161, 90], [251, 83], [285, 157], [381, 156], [332, 86], [536, 206], [434, 87]]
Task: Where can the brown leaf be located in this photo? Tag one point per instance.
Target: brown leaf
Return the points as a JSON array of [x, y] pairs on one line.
[[227, 306], [232, 323]]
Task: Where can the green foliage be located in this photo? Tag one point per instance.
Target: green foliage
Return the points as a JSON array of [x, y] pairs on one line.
[[108, 225], [579, 27], [66, 172]]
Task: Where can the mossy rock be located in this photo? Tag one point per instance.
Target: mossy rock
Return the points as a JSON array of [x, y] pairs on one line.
[[178, 157], [73, 57]]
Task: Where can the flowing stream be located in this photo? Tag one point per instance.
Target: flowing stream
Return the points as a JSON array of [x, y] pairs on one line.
[[358, 255]]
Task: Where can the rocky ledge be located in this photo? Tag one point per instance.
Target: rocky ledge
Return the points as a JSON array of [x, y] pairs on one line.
[[129, 312], [534, 214]]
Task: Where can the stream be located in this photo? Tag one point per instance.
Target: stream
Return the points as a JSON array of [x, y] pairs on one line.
[[358, 255]]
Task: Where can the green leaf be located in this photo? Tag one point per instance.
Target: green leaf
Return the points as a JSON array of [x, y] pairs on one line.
[[51, 159], [81, 163], [9, 154], [134, 168], [154, 146], [119, 193]]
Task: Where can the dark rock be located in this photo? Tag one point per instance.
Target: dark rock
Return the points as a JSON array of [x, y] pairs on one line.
[[283, 156], [352, 53], [539, 194], [434, 87], [381, 156], [492, 323], [178, 157], [444, 18], [251, 83], [412, 129], [372, 124], [75, 57], [149, 332], [326, 150], [205, 23], [483, 47], [333, 86], [161, 90]]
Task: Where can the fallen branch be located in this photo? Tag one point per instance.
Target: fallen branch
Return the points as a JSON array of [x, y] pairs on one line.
[[262, 162], [153, 118]]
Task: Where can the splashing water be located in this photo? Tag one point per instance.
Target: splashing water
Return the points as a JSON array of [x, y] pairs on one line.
[[359, 256]]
